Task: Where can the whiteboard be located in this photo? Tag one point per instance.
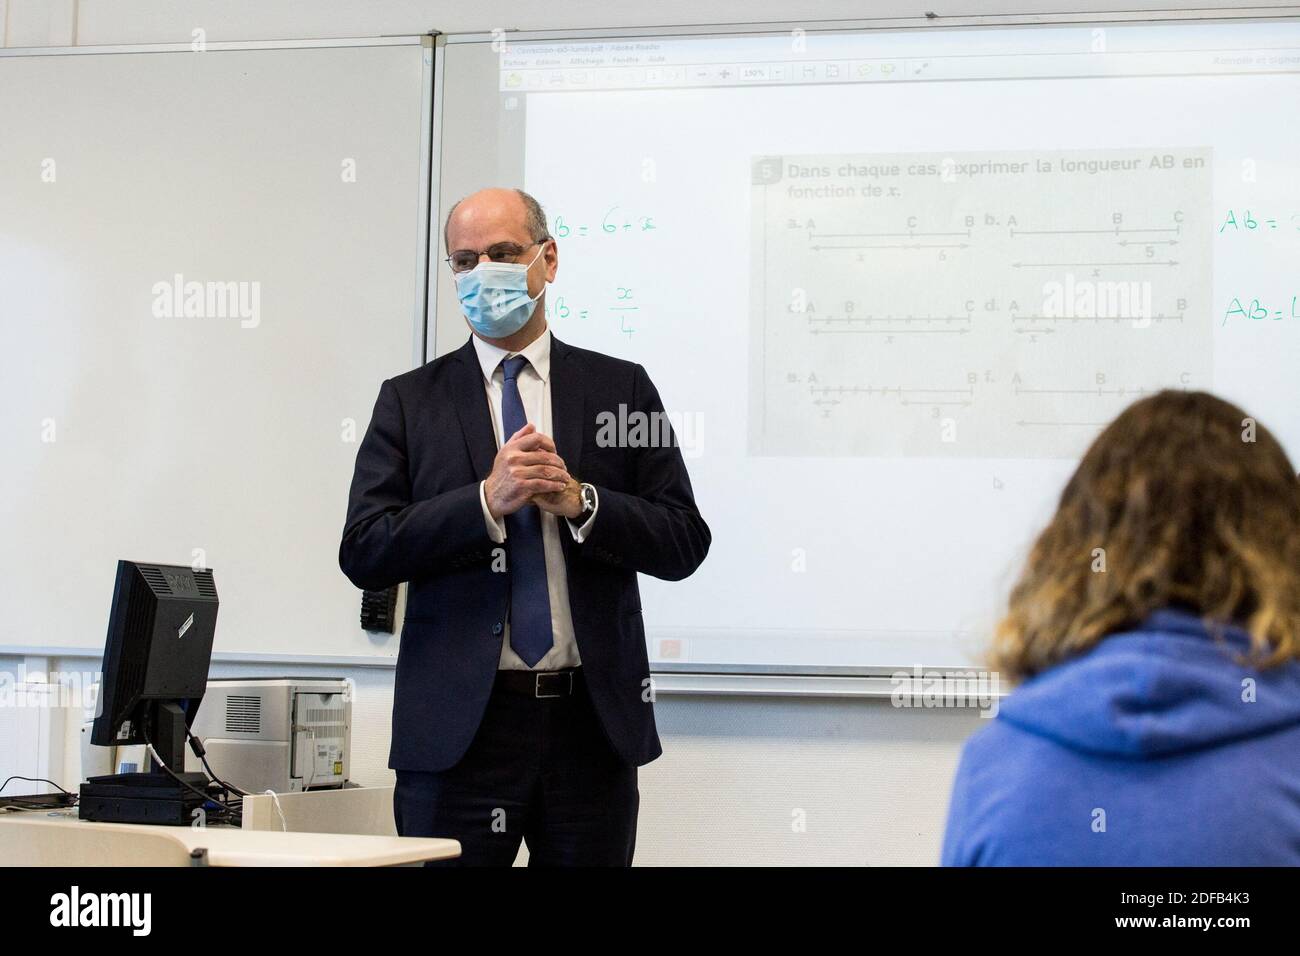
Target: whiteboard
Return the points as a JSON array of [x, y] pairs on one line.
[[876, 276], [209, 262]]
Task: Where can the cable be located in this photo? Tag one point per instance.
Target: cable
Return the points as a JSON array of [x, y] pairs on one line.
[[207, 798], [201, 752], [35, 780], [196, 745], [311, 735], [275, 798]]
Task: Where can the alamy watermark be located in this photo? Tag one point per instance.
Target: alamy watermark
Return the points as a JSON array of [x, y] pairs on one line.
[[928, 688], [179, 299], [74, 908], [637, 429], [52, 689], [1086, 299]]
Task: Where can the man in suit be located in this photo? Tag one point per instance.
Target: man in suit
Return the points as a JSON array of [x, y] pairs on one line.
[[522, 706]]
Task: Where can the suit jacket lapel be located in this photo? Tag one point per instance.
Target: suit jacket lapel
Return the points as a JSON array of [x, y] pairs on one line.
[[472, 408], [568, 404]]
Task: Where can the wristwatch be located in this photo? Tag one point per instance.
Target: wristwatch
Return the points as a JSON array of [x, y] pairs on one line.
[[588, 493]]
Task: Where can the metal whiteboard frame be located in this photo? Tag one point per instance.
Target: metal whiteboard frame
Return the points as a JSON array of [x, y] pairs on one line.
[[211, 46], [952, 686], [806, 680], [1079, 18]]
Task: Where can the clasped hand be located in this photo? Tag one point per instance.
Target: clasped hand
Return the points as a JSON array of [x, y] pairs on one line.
[[528, 471]]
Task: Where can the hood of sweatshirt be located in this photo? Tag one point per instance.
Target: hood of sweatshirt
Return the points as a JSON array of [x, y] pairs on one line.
[[1169, 686]]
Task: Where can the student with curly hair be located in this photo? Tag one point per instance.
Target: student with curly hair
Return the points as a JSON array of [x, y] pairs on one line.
[[1155, 631]]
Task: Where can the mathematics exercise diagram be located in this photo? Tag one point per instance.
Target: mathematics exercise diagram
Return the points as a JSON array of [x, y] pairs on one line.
[[985, 304]]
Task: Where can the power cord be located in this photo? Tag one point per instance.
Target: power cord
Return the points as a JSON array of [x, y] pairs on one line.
[[34, 780], [196, 745], [20, 803], [236, 816], [275, 798], [311, 735]]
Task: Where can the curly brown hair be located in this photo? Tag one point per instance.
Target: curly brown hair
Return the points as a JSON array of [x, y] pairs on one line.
[[1183, 500]]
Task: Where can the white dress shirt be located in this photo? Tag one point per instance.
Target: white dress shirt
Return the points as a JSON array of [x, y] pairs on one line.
[[535, 391]]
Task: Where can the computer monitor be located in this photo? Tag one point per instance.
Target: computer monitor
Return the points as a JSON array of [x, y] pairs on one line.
[[156, 660]]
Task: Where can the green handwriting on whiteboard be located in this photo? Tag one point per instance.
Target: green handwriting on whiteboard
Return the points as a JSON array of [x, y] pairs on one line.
[[1242, 221], [1257, 311], [615, 222], [621, 308]]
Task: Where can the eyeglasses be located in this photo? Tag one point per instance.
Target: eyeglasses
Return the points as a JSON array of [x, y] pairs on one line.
[[463, 260]]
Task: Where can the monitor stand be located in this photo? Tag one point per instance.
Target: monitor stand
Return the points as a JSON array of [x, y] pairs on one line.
[[152, 797]]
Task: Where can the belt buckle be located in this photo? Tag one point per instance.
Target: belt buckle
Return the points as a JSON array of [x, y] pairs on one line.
[[537, 685]]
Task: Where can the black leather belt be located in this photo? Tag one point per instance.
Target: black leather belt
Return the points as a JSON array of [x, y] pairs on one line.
[[540, 684]]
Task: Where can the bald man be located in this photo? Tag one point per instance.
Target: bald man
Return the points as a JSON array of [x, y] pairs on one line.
[[522, 706]]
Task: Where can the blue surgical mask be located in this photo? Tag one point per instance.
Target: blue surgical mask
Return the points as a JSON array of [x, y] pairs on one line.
[[494, 297]]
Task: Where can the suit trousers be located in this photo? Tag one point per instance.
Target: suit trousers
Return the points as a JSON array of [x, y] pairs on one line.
[[540, 770]]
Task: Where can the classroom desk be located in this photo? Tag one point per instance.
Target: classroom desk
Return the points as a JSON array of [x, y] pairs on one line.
[[60, 838], [354, 810]]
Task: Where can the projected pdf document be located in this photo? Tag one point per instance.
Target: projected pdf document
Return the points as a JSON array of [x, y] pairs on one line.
[[985, 304]]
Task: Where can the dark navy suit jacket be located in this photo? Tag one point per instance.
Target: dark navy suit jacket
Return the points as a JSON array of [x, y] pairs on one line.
[[414, 515]]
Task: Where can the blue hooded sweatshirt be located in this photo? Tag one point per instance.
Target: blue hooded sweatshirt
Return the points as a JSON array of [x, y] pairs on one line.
[[1154, 748]]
